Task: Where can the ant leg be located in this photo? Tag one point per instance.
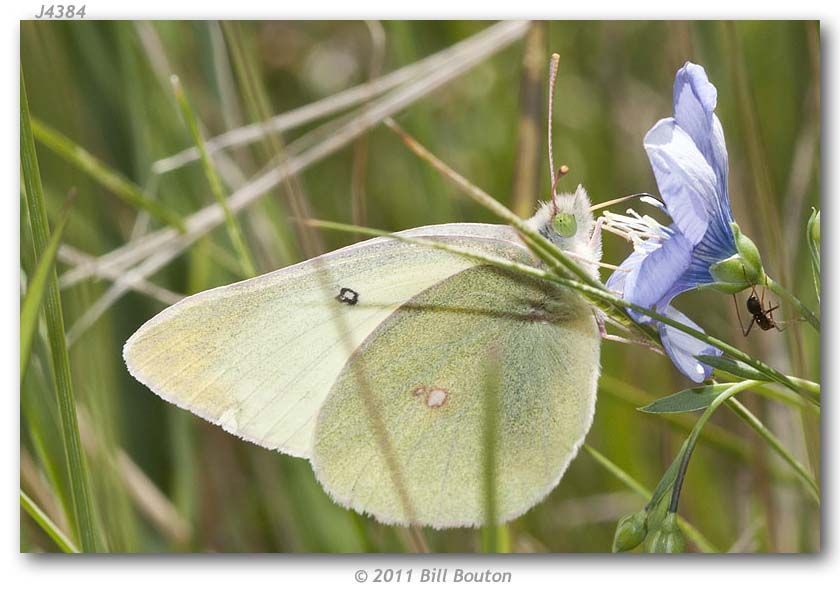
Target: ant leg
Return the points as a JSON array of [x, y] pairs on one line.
[[747, 332], [782, 325], [738, 312], [763, 289], [772, 320]]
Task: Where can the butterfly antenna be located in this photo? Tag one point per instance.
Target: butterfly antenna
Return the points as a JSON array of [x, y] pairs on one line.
[[552, 81], [563, 170]]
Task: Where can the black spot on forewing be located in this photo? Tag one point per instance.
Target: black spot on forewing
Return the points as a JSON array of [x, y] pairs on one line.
[[347, 296]]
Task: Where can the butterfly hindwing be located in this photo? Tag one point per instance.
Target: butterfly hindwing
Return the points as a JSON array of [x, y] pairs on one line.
[[401, 433]]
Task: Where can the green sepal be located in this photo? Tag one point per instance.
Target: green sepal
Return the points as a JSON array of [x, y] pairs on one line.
[[741, 270]]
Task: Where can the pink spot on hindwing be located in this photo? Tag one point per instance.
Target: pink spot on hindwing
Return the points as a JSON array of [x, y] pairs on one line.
[[433, 397]]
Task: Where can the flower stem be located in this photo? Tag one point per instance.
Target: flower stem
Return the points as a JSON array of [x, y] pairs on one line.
[[688, 448], [703, 544], [803, 310], [807, 384]]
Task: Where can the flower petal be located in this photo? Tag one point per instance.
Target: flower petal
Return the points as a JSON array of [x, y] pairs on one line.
[[686, 181], [657, 273], [720, 163], [631, 264], [695, 99], [683, 348]]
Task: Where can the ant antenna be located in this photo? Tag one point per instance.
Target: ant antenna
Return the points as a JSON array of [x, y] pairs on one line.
[[552, 80]]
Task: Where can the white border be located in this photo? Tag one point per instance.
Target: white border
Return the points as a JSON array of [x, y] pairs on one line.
[[299, 576]]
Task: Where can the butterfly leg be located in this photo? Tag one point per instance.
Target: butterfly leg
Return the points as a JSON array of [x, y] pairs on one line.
[[595, 238], [610, 337]]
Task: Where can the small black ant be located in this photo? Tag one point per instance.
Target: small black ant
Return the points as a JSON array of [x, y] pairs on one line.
[[760, 316]]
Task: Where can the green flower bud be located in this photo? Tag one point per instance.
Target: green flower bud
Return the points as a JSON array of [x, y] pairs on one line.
[[668, 539], [741, 270], [814, 227], [630, 532], [814, 247]]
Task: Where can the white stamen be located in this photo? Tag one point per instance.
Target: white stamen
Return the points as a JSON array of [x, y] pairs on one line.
[[638, 228]]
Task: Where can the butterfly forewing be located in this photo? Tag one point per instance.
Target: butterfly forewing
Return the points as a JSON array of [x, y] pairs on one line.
[[259, 357]]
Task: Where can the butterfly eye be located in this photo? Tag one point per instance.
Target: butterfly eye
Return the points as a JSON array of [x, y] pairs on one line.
[[565, 225]]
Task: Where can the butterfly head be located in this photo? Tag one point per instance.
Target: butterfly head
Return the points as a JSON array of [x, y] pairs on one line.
[[567, 222]]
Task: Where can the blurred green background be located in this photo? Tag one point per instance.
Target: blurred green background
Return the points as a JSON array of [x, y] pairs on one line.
[[164, 480]]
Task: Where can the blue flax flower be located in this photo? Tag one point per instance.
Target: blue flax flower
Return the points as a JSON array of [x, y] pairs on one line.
[[689, 159]]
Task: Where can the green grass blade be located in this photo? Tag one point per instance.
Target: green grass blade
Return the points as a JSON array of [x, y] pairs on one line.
[[112, 181], [31, 305], [744, 413], [80, 492], [235, 233], [494, 538], [48, 525]]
